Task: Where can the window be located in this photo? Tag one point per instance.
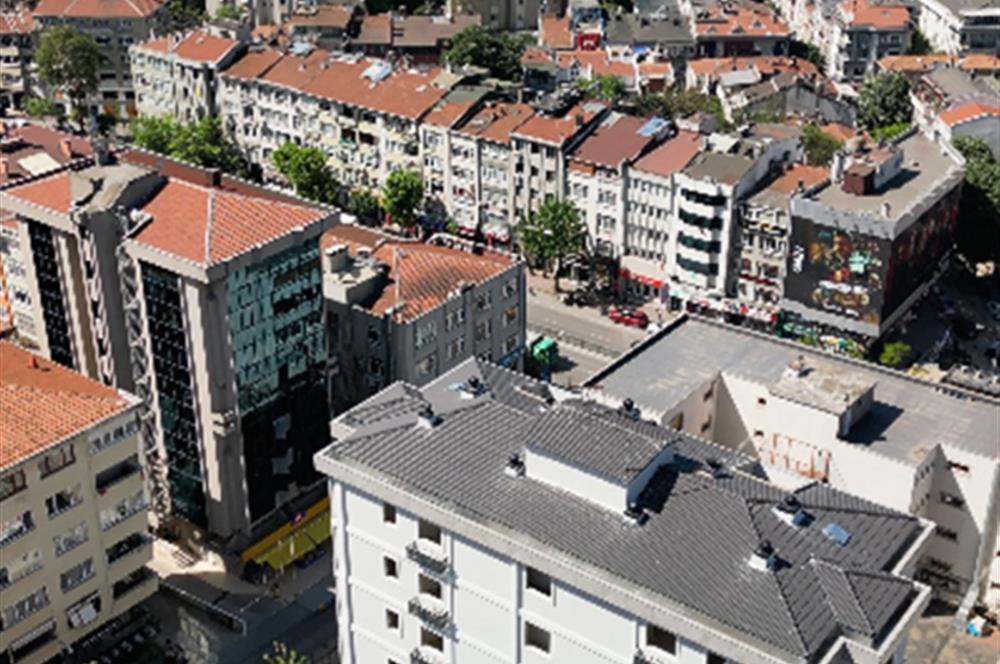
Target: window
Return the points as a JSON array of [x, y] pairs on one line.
[[388, 513], [761, 401], [428, 531], [390, 567], [14, 527], [56, 460], [946, 533], [425, 367], [510, 344], [707, 425], [25, 607], [76, 575], [952, 500], [20, 567], [678, 422], [483, 301], [456, 348], [429, 586], [483, 330], [715, 659], [708, 395], [538, 581], [64, 500], [70, 539], [431, 640], [537, 638], [391, 619], [959, 468], [661, 639], [426, 333], [12, 483]]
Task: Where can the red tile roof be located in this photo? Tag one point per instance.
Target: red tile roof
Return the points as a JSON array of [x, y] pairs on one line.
[[810, 176], [327, 16], [447, 114], [918, 64], [841, 132], [52, 193], [597, 63], [426, 274], [19, 142], [208, 226], [196, 46], [253, 64], [495, 121], [43, 403], [99, 8], [19, 21], [670, 157], [614, 142], [967, 112], [861, 13], [375, 30], [767, 65], [554, 32], [558, 130], [739, 21]]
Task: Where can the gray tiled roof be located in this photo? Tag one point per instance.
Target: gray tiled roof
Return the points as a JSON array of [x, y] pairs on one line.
[[693, 551]]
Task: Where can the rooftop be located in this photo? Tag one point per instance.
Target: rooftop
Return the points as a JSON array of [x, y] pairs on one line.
[[98, 8], [597, 63], [967, 112], [557, 130], [705, 523], [779, 191], [207, 226], [876, 15], [724, 168], [738, 20], [671, 156], [43, 403], [31, 150], [326, 16], [17, 21], [985, 62], [670, 27], [907, 417], [375, 30], [765, 65], [423, 276], [958, 85], [925, 166], [429, 31], [195, 46], [495, 121], [554, 32], [618, 139]]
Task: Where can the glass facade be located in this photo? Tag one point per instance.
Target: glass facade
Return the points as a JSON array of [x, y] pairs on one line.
[[275, 311], [175, 398], [50, 292]]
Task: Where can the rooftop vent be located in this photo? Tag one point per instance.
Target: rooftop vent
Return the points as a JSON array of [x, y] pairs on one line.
[[515, 466], [715, 467], [472, 388], [764, 556], [629, 409], [790, 511], [837, 534], [636, 514], [797, 367], [427, 419]]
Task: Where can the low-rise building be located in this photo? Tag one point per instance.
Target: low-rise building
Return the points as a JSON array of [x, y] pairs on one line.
[[809, 415], [705, 73], [972, 120], [946, 89], [73, 527], [17, 27], [865, 247], [961, 26], [661, 26], [176, 76], [325, 26], [399, 310], [499, 14], [116, 25], [915, 66], [489, 517], [864, 32], [723, 29]]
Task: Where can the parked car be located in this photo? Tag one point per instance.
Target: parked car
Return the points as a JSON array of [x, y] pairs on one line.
[[580, 298], [629, 316]]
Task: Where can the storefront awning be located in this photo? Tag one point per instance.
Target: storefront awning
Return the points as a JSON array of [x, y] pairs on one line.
[[292, 540]]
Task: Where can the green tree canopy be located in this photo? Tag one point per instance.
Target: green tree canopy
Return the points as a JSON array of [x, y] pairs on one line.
[[40, 107], [307, 170], [203, 143], [184, 15], [681, 103], [69, 60], [552, 234], [894, 354], [282, 654], [228, 12], [819, 146], [884, 100], [979, 215], [499, 52], [919, 44], [365, 206], [809, 52], [402, 195], [605, 87]]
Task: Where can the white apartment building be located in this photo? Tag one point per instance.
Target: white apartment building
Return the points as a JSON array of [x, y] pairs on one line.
[[597, 174], [863, 32], [809, 415], [489, 518], [116, 25], [73, 541], [960, 26], [17, 66], [500, 14], [177, 75], [406, 310]]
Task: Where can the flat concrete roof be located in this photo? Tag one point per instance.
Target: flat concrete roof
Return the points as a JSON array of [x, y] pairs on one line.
[[908, 416], [724, 168]]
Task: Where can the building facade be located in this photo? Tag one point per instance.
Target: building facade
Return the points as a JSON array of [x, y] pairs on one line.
[[499, 14], [863, 34], [959, 26], [17, 47], [73, 531]]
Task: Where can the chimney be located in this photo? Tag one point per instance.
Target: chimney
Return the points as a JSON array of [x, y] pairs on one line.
[[65, 147], [336, 258], [801, 186], [764, 557], [886, 209], [427, 419], [32, 362]]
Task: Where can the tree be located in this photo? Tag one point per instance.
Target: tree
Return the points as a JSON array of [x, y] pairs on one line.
[[40, 107], [402, 194], [809, 52], [282, 654], [894, 354], [228, 12], [919, 44], [69, 60], [499, 52], [819, 146], [365, 206], [605, 87], [978, 236], [884, 100], [553, 233], [307, 170], [681, 103], [203, 143]]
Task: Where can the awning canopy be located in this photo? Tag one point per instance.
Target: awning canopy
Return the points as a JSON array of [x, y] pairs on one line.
[[293, 540]]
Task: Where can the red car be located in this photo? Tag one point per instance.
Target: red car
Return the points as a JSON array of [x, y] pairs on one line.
[[630, 317]]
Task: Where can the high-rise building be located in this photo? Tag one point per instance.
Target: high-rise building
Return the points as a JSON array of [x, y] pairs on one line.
[[73, 540], [487, 517]]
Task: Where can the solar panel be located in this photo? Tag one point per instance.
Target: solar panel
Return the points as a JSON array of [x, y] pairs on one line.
[[837, 534]]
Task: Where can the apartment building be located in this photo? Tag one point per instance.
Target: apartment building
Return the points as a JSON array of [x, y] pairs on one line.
[[487, 517], [404, 310], [809, 415], [176, 76], [540, 147], [17, 27], [116, 25], [222, 296], [865, 247], [947, 97], [733, 27], [30, 150], [864, 32], [73, 541], [499, 14], [661, 26], [972, 120], [915, 66], [362, 112], [764, 229], [326, 26], [647, 256], [597, 175], [961, 26]]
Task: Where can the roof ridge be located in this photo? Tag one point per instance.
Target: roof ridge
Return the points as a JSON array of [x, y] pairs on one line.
[[209, 224], [856, 599], [110, 400]]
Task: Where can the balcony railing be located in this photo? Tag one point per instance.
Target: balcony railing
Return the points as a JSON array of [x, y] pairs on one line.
[[127, 546], [116, 473], [429, 610], [425, 655], [424, 556], [132, 581]]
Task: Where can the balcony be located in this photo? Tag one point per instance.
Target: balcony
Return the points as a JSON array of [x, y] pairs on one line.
[[131, 544], [134, 580], [425, 655], [428, 556], [117, 473], [16, 528], [430, 610]]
